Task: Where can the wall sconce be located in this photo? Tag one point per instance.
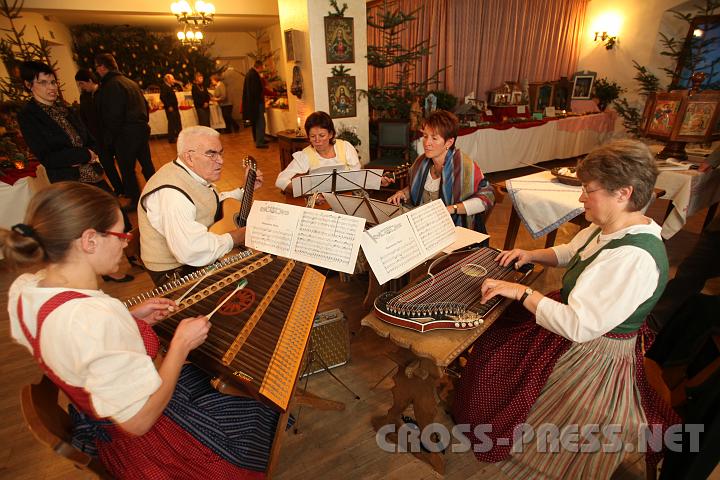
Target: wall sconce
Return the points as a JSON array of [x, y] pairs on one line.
[[610, 40]]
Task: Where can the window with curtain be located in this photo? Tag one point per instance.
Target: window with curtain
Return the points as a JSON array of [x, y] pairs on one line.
[[483, 43]]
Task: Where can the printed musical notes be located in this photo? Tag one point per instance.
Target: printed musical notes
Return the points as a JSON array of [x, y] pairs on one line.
[[397, 246], [317, 237]]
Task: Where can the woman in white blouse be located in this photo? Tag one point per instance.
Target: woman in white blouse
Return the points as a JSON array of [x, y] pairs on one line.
[[569, 359], [142, 421], [324, 151]]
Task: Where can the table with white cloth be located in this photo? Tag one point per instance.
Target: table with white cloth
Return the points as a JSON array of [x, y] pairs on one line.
[[508, 146], [541, 203], [16, 197], [504, 147], [689, 191], [188, 116]]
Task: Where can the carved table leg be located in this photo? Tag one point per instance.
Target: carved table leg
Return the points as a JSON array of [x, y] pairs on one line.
[[415, 384]]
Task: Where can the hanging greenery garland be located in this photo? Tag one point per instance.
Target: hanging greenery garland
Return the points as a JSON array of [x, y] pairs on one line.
[[142, 55]]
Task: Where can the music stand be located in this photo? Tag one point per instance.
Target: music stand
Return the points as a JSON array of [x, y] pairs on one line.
[[374, 212], [313, 355], [337, 181]]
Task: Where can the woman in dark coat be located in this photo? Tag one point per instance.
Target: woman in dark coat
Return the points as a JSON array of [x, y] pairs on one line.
[[57, 136]]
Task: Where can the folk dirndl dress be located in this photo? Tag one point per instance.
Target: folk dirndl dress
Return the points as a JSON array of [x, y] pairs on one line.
[[521, 373], [202, 434]]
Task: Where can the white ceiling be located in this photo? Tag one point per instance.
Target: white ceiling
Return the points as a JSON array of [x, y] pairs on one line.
[[159, 22]]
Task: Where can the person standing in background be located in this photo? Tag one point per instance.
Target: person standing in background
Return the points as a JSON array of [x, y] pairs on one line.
[[87, 83], [220, 95], [201, 99], [123, 114], [170, 104], [253, 104]]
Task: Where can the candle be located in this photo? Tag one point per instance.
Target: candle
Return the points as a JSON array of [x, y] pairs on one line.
[[298, 122]]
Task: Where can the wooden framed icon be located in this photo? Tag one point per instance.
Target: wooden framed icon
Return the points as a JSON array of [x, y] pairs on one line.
[[341, 96], [339, 40]]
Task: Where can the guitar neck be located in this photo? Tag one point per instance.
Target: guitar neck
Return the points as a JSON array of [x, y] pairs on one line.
[[247, 198]]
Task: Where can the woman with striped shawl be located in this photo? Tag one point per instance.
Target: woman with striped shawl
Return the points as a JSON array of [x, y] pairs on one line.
[[442, 171], [571, 361]]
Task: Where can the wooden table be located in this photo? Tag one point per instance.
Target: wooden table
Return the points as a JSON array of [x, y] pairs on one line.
[[290, 142], [422, 363]]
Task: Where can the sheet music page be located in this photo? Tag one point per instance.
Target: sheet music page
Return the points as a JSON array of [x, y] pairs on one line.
[[318, 237], [397, 246], [465, 237]]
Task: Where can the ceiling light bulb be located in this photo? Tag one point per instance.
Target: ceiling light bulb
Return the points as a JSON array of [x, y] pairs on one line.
[[200, 7], [210, 8], [198, 35], [184, 7], [181, 36], [190, 35]]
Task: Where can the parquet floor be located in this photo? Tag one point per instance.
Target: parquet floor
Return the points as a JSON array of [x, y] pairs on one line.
[[329, 444]]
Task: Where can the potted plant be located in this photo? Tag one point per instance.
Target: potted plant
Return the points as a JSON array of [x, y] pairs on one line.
[[606, 91]]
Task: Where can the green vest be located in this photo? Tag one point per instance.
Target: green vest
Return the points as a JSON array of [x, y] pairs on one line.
[[651, 244]]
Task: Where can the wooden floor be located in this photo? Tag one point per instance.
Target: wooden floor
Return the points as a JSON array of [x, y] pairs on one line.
[[329, 444]]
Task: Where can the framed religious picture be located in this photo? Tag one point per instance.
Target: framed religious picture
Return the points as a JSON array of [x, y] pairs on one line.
[[341, 96], [542, 94], [339, 40], [661, 114], [582, 85], [697, 118]]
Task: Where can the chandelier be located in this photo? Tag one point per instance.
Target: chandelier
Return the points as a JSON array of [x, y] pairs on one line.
[[199, 16], [188, 36]]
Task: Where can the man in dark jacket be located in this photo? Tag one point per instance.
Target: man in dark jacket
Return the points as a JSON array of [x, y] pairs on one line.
[[201, 100], [253, 104], [88, 85], [170, 104], [123, 114]]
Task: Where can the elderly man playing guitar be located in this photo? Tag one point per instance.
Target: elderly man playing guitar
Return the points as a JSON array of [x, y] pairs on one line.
[[179, 203]]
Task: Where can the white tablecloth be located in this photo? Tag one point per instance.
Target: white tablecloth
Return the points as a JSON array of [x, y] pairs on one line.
[[689, 191], [16, 197], [188, 117], [496, 150], [543, 204]]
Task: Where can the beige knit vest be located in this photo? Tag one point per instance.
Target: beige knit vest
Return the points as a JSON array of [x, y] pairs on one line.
[[154, 250]]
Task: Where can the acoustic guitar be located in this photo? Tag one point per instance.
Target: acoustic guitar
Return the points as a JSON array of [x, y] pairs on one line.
[[235, 214]]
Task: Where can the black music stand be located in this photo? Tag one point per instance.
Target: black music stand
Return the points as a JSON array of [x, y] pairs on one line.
[[336, 181], [313, 355]]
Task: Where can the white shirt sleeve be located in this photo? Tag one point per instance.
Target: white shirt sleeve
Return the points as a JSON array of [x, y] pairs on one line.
[[95, 344], [604, 296], [189, 241], [473, 206], [351, 156], [299, 165]]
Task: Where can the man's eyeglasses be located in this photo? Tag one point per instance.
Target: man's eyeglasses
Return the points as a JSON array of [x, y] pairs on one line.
[[211, 154], [122, 236], [46, 83]]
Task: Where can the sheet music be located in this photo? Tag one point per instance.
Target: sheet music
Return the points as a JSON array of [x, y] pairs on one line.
[[397, 246], [318, 237], [368, 179]]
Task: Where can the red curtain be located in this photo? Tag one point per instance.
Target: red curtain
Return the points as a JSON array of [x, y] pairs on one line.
[[486, 42]]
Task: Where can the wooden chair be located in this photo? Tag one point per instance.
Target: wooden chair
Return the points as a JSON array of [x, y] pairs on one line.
[[51, 425]]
